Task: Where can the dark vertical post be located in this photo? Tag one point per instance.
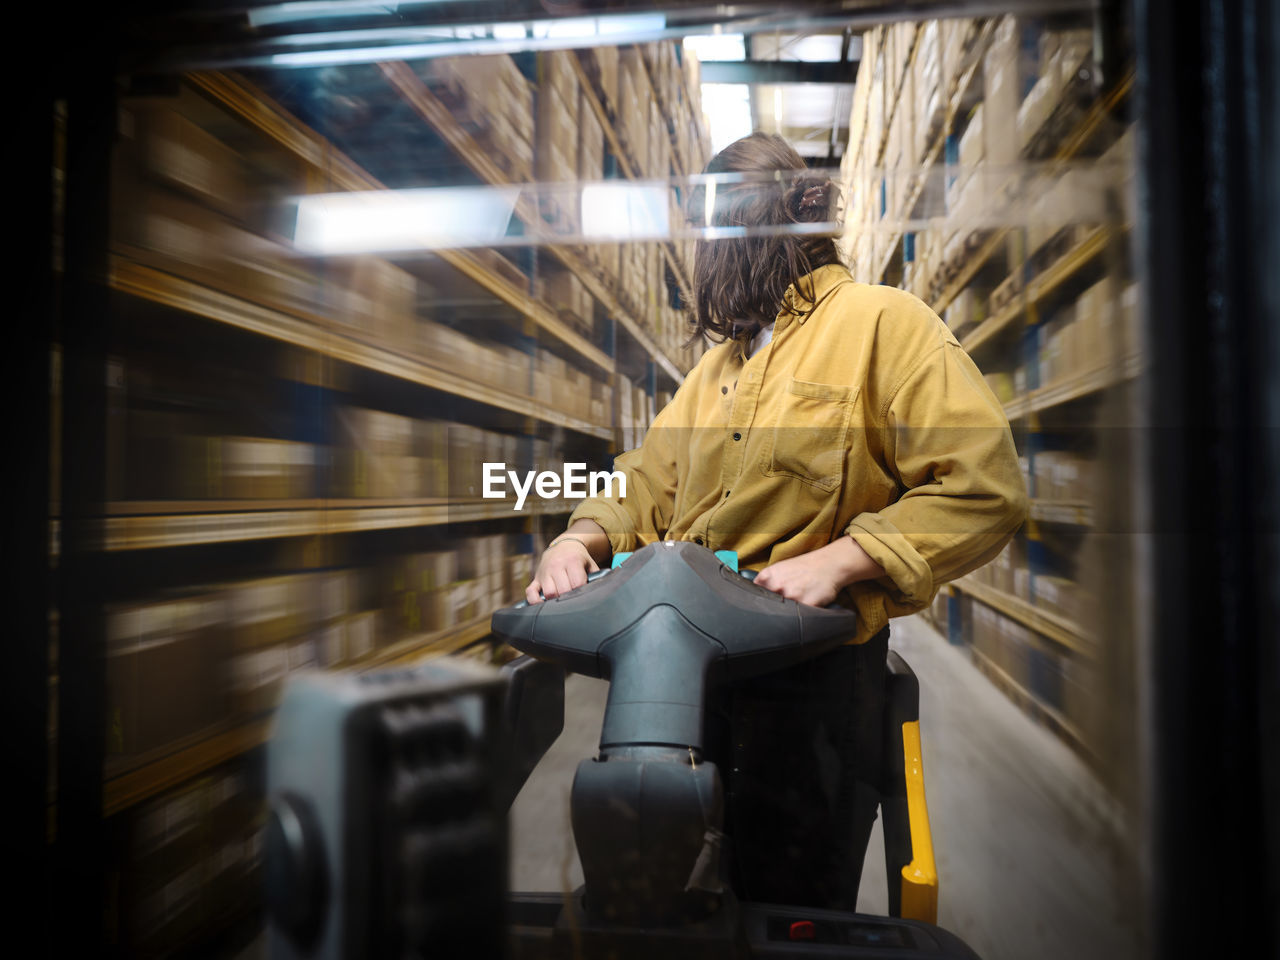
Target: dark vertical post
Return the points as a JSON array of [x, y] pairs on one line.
[[80, 855], [26, 408], [1210, 216]]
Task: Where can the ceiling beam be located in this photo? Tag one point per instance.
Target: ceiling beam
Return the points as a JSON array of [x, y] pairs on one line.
[[778, 71]]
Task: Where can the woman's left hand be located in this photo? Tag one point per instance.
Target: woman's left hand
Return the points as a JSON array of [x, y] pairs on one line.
[[818, 576]]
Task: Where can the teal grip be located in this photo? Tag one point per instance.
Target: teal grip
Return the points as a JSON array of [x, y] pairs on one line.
[[729, 558], [619, 559]]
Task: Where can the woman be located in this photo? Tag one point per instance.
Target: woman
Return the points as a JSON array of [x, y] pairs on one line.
[[842, 443]]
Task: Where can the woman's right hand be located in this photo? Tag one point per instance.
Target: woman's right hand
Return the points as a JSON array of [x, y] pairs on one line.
[[563, 567]]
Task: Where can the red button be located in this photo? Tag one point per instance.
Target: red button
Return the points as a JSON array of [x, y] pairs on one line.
[[802, 930]]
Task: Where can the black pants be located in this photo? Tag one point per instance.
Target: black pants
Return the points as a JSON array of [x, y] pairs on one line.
[[799, 752]]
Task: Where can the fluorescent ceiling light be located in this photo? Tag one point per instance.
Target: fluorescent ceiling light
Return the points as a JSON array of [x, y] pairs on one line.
[[565, 28], [323, 10], [570, 28], [626, 211], [400, 220], [718, 46], [509, 31], [420, 43], [727, 107], [631, 23]]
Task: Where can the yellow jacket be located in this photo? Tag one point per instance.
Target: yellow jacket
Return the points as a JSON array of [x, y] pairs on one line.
[[865, 417]]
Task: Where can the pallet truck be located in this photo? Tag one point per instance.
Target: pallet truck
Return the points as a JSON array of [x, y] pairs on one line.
[[389, 791]]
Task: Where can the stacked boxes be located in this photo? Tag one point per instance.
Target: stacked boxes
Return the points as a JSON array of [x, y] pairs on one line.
[[372, 298], [930, 92], [174, 234], [1025, 97], [160, 658], [590, 147], [267, 619], [658, 160], [1086, 335], [484, 561], [498, 365], [262, 270], [954, 37], [603, 66], [968, 308], [419, 593], [1001, 571], [438, 590], [634, 99], [1061, 596], [570, 390], [254, 468], [557, 159], [1077, 197], [176, 462], [379, 455], [1063, 475], [1004, 642], [1002, 79], [1040, 102], [187, 858], [169, 149], [492, 100], [636, 411], [563, 289]]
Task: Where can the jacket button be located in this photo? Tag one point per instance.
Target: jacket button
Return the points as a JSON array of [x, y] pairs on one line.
[[737, 436]]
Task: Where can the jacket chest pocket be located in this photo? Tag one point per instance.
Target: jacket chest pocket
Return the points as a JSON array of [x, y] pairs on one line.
[[811, 434]]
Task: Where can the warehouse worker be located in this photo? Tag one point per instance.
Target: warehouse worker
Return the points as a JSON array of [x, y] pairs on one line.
[[840, 440]]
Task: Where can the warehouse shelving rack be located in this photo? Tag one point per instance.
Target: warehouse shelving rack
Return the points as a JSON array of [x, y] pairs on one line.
[[1039, 412], [131, 529], [140, 525], [1106, 108], [131, 277]]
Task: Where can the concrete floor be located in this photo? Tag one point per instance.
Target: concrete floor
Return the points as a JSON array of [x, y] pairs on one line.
[[1023, 833]]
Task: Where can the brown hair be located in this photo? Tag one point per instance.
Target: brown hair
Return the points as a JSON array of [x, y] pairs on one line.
[[739, 282]]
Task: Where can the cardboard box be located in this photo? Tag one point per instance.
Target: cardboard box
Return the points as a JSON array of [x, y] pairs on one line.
[[172, 233], [174, 150], [1000, 106], [330, 644], [605, 60], [951, 36], [163, 661], [269, 610], [1039, 105], [972, 147], [256, 468], [257, 678], [364, 633], [372, 297], [590, 143], [556, 71]]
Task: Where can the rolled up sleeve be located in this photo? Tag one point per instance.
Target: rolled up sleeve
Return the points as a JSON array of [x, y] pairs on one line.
[[948, 442]]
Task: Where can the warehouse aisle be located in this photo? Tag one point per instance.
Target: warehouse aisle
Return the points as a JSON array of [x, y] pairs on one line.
[[1020, 825]]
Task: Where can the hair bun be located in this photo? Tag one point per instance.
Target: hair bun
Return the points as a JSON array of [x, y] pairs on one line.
[[810, 199]]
